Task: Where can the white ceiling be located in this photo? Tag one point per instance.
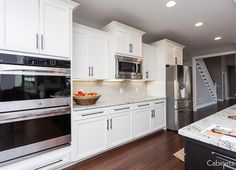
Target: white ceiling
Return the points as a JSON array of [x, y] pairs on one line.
[[151, 16]]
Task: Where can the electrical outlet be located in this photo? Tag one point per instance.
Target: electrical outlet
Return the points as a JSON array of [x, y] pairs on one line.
[[121, 90]]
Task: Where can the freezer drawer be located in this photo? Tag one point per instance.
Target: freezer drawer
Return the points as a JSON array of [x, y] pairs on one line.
[[183, 103], [184, 117]]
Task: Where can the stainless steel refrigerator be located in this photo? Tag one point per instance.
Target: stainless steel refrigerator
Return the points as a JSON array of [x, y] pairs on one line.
[[179, 96]]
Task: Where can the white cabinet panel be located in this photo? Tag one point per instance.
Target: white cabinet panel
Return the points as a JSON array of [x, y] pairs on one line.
[[142, 122], [98, 51], [179, 55], [90, 53], [80, 57], [170, 54], [149, 62], [159, 117], [135, 45], [120, 128], [91, 136], [55, 28], [122, 42], [21, 25]]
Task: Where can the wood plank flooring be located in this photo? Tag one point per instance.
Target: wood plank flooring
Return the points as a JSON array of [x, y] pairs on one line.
[[153, 152], [150, 153]]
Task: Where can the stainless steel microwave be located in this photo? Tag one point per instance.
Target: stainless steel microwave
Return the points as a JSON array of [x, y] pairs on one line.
[[128, 67]]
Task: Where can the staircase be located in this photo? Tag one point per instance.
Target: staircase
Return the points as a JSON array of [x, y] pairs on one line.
[[202, 68]]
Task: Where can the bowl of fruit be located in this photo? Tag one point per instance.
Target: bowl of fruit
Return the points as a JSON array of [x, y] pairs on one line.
[[82, 98]]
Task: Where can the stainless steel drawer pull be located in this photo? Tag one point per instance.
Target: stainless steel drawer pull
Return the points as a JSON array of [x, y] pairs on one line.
[[143, 105], [107, 124], [110, 123], [159, 102], [95, 113], [42, 42], [125, 108], [37, 41]]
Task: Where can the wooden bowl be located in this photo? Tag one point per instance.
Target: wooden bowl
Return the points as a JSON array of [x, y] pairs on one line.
[[86, 100]]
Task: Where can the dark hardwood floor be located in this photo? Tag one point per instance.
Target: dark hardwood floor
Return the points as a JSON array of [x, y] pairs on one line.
[[209, 110], [150, 153], [153, 152]]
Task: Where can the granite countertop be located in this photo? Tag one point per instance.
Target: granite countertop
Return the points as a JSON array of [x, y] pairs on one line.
[[194, 130], [115, 102]]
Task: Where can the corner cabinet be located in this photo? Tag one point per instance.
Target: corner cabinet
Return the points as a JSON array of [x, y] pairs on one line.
[[149, 62], [171, 51], [39, 26], [125, 40], [90, 53]]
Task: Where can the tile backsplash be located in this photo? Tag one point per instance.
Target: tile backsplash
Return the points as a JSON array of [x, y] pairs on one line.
[[113, 89]]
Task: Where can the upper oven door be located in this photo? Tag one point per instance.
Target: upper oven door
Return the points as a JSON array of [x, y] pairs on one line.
[[26, 87], [127, 67]]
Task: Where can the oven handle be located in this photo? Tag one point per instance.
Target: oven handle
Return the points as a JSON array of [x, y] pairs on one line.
[[14, 68], [30, 114]]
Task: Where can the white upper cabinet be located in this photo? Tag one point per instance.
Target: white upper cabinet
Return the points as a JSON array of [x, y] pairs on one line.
[[21, 27], [149, 62], [55, 29], [125, 40], [171, 51], [36, 26], [90, 53], [121, 41]]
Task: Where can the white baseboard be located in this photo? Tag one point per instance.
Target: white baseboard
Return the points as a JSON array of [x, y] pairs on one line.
[[205, 105], [220, 100]]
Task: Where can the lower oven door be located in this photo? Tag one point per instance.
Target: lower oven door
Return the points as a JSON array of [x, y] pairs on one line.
[[29, 132]]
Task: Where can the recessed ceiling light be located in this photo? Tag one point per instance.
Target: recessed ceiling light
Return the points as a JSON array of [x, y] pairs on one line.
[[217, 38], [171, 4], [198, 24]]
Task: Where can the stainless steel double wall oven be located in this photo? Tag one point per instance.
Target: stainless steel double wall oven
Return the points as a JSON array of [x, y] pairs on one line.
[[35, 113]]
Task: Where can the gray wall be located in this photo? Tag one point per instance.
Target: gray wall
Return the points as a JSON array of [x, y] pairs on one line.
[[214, 65]]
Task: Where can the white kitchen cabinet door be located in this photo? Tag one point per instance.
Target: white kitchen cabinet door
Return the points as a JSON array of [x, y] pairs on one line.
[[122, 42], [149, 62], [21, 25], [142, 122], [170, 54], [98, 53], [179, 55], [80, 56], [91, 136], [55, 29], [135, 45], [120, 128], [159, 117]]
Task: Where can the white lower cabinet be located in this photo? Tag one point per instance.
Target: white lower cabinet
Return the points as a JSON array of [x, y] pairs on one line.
[[142, 122], [97, 130], [91, 136], [120, 128], [159, 116]]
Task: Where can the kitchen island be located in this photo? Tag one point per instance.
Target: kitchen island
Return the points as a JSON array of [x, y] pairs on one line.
[[205, 151]]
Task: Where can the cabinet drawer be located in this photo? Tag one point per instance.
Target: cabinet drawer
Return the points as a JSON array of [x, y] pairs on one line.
[[120, 108], [159, 103], [81, 115], [142, 105]]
